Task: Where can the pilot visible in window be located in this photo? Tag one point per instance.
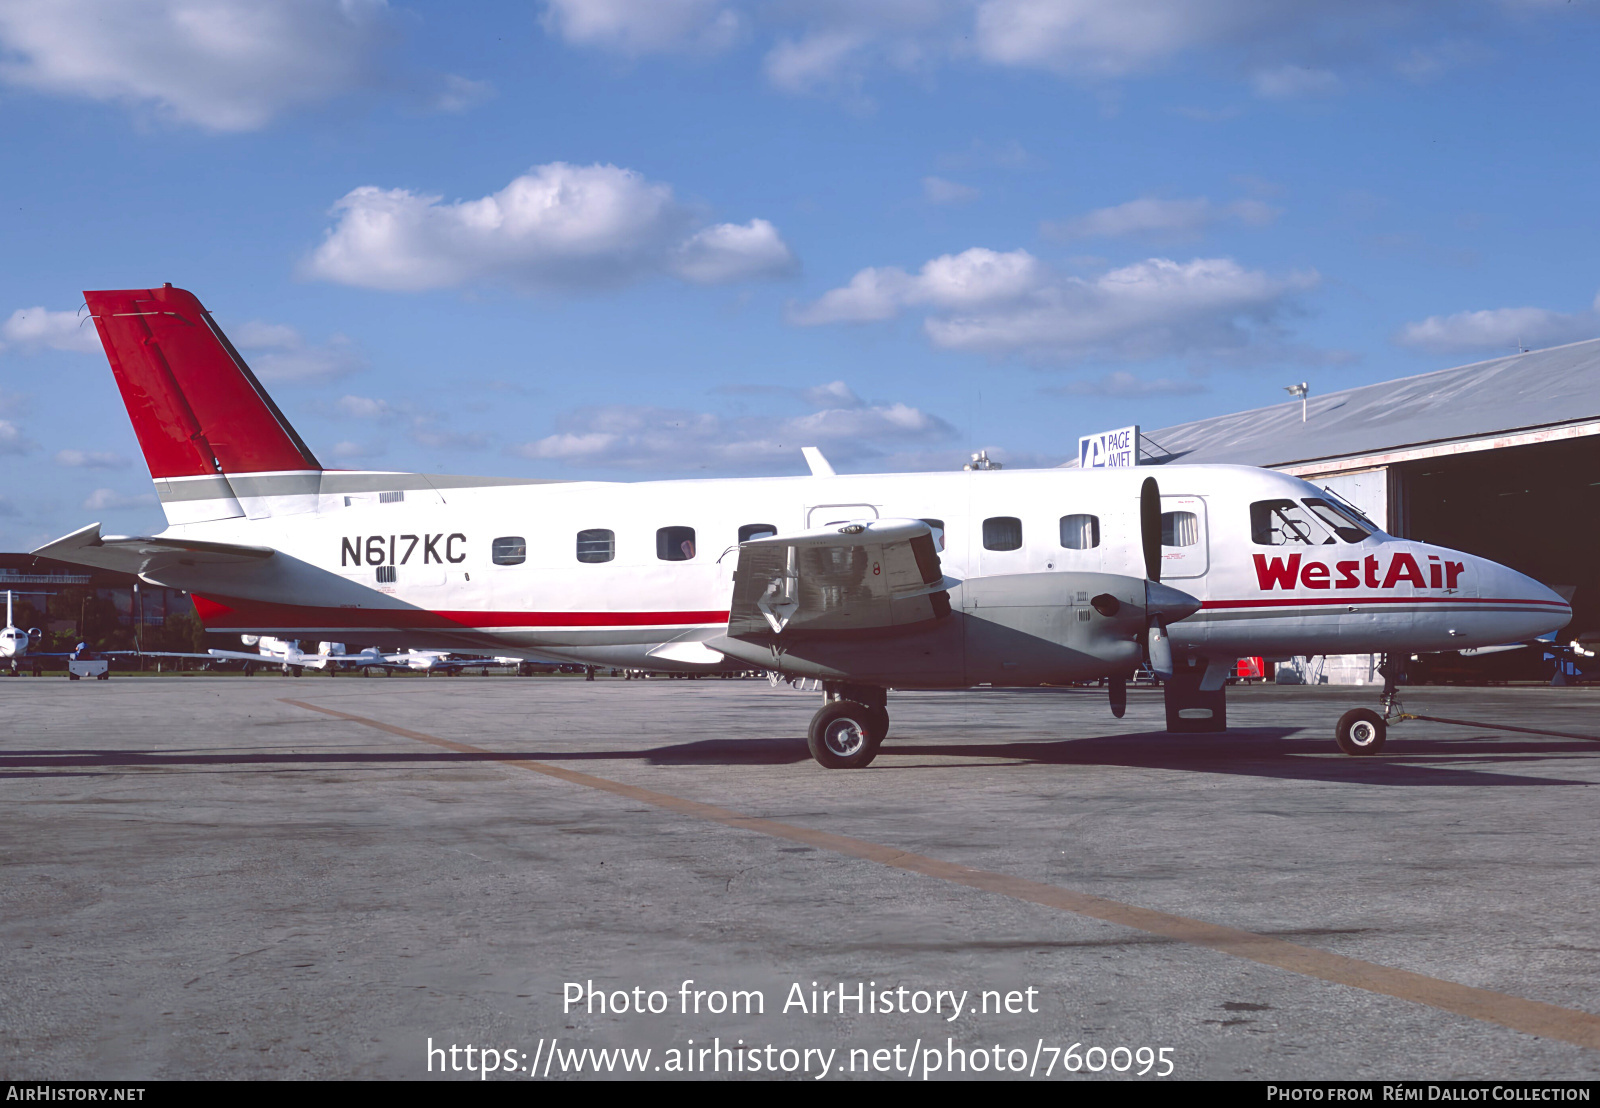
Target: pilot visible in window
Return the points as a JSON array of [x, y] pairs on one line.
[[687, 546]]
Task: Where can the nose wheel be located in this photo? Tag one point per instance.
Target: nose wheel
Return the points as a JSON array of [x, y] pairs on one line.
[[1361, 732]]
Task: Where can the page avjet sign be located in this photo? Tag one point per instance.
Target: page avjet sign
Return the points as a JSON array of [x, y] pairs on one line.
[[1109, 449]]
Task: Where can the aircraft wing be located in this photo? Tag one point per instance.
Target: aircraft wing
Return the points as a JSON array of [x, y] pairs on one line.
[[239, 656], [139, 554], [857, 576]]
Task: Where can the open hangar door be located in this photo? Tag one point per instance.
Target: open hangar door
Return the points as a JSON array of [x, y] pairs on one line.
[[1534, 508]]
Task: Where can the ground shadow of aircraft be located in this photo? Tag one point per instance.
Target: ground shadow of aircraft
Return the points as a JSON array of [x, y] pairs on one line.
[[1264, 752], [1271, 752]]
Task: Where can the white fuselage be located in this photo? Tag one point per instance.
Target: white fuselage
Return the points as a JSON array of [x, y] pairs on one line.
[[421, 568]]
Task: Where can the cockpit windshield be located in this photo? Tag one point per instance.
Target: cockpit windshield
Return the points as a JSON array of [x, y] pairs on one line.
[[1346, 522], [1310, 522]]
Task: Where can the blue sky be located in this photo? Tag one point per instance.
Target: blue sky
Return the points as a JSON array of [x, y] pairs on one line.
[[623, 239]]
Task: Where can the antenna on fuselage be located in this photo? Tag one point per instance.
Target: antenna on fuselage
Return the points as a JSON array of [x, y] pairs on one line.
[[819, 465]]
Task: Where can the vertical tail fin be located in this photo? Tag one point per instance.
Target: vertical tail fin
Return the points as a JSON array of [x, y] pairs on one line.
[[216, 444]]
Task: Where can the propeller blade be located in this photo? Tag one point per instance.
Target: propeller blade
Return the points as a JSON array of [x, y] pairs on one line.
[[1160, 650], [1150, 527], [1117, 689]]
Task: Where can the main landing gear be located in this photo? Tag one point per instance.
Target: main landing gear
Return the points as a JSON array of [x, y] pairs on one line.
[[849, 727]]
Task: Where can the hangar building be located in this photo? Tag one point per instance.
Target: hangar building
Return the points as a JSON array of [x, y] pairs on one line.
[[1499, 458]]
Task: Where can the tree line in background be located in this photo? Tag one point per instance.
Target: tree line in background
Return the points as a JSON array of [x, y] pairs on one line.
[[95, 619]]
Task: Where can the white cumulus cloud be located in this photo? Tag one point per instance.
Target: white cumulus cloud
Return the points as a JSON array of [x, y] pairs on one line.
[[1156, 218], [1282, 49], [223, 65], [731, 252], [1286, 81], [1125, 385], [1500, 329], [634, 27], [556, 226], [971, 278], [90, 459], [12, 440], [937, 190], [366, 407], [41, 328], [277, 352], [1013, 303], [849, 430]]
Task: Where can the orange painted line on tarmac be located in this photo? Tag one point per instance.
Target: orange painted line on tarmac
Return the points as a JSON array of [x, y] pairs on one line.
[[1532, 1017]]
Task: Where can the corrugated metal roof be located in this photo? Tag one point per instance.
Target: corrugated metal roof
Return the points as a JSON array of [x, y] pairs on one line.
[[1523, 391]]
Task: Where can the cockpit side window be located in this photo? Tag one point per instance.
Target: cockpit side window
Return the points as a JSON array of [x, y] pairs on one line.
[[1341, 520], [1286, 523]]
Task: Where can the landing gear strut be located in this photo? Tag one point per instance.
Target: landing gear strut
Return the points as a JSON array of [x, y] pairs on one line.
[[1361, 731], [849, 727]]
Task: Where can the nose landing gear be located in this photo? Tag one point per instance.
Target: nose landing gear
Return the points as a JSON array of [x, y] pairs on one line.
[[1361, 732]]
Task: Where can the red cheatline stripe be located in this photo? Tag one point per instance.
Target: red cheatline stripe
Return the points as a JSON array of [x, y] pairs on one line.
[[250, 614], [1305, 601]]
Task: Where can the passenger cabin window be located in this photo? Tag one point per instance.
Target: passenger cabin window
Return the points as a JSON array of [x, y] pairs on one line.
[[1080, 532], [1180, 529], [675, 544], [509, 551], [1002, 533], [754, 531], [937, 526], [597, 545], [1286, 523]]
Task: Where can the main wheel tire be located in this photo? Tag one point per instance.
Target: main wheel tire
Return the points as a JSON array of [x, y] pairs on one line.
[[72, 676], [842, 737], [1361, 732], [879, 724]]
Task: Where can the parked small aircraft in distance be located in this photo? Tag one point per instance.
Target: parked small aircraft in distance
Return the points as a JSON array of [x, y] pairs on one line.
[[15, 645], [332, 657], [14, 641], [865, 582], [448, 662], [286, 653]]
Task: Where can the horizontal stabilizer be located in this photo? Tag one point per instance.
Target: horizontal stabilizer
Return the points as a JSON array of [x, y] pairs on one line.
[[141, 555], [857, 576]]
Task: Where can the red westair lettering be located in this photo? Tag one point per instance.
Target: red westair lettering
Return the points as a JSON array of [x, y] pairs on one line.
[[1404, 568], [1275, 574]]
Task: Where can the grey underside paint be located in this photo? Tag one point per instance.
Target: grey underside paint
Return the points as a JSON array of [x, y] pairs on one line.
[[1022, 629]]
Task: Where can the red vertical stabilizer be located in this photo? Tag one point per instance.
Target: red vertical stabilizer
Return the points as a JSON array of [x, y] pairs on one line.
[[195, 405]]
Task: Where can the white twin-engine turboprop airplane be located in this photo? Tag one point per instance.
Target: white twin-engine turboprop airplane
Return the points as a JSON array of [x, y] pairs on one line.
[[866, 583]]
